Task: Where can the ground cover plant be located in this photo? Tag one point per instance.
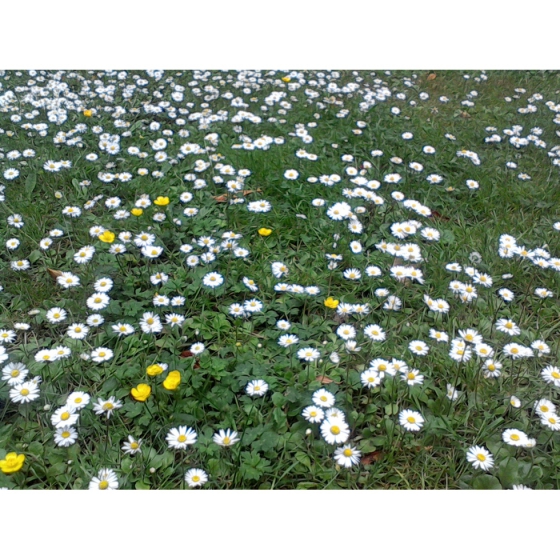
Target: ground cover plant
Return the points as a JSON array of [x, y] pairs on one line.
[[292, 280]]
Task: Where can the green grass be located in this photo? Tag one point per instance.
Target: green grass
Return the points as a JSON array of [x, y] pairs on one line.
[[277, 447]]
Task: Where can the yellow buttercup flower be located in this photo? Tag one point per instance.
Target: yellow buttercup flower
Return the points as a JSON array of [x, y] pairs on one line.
[[107, 237], [286, 79], [88, 113], [141, 392], [137, 211], [161, 201], [172, 380], [12, 463], [154, 370], [265, 232], [331, 303]]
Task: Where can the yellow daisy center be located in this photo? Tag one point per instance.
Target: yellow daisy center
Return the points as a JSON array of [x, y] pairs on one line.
[[65, 416], [556, 375], [335, 430], [15, 372], [411, 420], [481, 457], [196, 478], [134, 445], [182, 438], [514, 437], [24, 392], [347, 453], [227, 441], [108, 406], [103, 485]]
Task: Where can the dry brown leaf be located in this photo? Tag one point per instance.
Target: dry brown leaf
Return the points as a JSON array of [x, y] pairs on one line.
[[224, 197], [438, 216], [54, 273], [372, 457], [432, 76], [324, 379]]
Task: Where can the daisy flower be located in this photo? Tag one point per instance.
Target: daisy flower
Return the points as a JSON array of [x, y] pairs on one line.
[[197, 348], [418, 347], [24, 392], [65, 436], [14, 373], [375, 333], [106, 406], [413, 377], [179, 438], [514, 437], [313, 414], [196, 477], [335, 431], [371, 378], [132, 446], [411, 420], [346, 332], [308, 354], [544, 406], [225, 438], [256, 388], [123, 329], [323, 398], [150, 323], [78, 400], [551, 374], [550, 420], [507, 326], [64, 416], [106, 479], [56, 315], [101, 355], [347, 456], [439, 335], [480, 458], [213, 280], [352, 274]]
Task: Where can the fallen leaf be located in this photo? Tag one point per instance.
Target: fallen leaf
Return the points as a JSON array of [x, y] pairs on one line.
[[436, 214], [372, 457], [224, 197], [325, 379], [54, 273], [186, 354], [431, 76]]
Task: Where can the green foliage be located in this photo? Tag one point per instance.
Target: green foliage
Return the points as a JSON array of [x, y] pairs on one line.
[[277, 447]]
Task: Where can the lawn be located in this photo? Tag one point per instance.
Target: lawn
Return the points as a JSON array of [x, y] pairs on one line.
[[279, 280]]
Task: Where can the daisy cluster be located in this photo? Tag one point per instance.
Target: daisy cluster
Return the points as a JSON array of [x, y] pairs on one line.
[[166, 236]]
